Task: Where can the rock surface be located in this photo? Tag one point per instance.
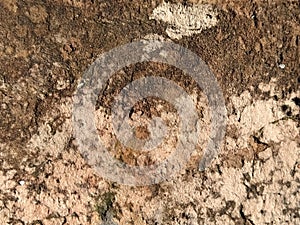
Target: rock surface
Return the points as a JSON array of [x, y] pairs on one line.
[[253, 49]]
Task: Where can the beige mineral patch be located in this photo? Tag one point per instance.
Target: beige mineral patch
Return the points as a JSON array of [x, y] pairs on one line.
[[185, 20], [261, 117], [49, 191], [261, 190]]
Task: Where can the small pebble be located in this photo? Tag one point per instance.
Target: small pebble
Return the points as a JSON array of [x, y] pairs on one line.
[[281, 66], [21, 182]]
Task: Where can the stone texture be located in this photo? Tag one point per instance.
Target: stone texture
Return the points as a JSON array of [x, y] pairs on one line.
[[254, 51]]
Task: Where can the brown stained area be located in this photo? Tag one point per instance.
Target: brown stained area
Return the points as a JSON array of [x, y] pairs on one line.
[[46, 46], [145, 110]]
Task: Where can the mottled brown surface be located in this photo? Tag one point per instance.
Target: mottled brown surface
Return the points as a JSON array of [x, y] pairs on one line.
[[45, 47]]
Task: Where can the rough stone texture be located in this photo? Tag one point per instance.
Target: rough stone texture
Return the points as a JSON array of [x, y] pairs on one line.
[[254, 51]]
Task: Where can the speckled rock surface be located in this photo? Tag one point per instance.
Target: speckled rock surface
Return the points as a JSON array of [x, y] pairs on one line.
[[253, 49]]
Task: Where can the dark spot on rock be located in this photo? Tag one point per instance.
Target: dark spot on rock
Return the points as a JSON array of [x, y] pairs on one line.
[[209, 16], [284, 108], [284, 211], [297, 101]]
